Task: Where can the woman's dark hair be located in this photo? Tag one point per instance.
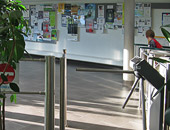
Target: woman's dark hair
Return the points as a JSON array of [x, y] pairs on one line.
[[150, 33]]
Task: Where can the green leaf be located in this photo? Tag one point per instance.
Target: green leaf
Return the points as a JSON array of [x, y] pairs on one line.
[[18, 1], [167, 116], [2, 96], [166, 34], [4, 78], [13, 65], [3, 29], [5, 15], [12, 98], [21, 6], [15, 98], [14, 87], [15, 16], [1, 103], [22, 33], [159, 60], [19, 47]]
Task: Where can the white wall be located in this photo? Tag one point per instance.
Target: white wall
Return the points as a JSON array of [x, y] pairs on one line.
[[102, 48], [99, 48]]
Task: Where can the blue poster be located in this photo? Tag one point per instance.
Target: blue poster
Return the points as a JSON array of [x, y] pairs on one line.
[[90, 11]]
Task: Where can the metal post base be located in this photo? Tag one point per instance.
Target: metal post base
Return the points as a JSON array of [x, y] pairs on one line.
[[131, 91], [143, 98]]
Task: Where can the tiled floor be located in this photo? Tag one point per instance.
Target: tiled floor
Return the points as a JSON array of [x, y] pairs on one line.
[[94, 101]]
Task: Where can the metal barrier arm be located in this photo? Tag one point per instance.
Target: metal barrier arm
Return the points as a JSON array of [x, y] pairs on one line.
[[11, 92], [146, 45], [104, 70], [33, 59], [150, 48]]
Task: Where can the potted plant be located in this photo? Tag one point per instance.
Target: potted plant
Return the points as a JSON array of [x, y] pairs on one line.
[[12, 44]]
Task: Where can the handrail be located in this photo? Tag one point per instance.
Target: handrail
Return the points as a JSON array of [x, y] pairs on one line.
[[33, 59], [147, 45], [11, 92], [104, 70]]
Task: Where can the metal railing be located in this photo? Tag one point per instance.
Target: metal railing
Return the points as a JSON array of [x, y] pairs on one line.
[[11, 92], [49, 93], [63, 91]]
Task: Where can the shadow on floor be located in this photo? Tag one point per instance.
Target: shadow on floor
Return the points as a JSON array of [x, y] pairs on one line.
[[36, 123]]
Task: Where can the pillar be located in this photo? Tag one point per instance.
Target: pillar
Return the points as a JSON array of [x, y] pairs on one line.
[[128, 52]]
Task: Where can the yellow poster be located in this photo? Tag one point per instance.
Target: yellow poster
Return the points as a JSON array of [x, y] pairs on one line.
[[61, 8], [74, 10]]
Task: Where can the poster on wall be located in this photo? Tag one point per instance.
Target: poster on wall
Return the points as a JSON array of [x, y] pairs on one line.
[[47, 8], [142, 16], [147, 10], [54, 34], [81, 10], [52, 18], [118, 19], [33, 20], [139, 10], [40, 22], [109, 25], [46, 31], [46, 16], [110, 15], [72, 32], [46, 26], [101, 22], [119, 7], [26, 12], [67, 10], [61, 8], [89, 25], [39, 8], [47, 36], [110, 6], [95, 26], [100, 10], [64, 20], [90, 11], [143, 22], [75, 19], [72, 29], [74, 10], [33, 10], [165, 18], [81, 21], [40, 14]]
